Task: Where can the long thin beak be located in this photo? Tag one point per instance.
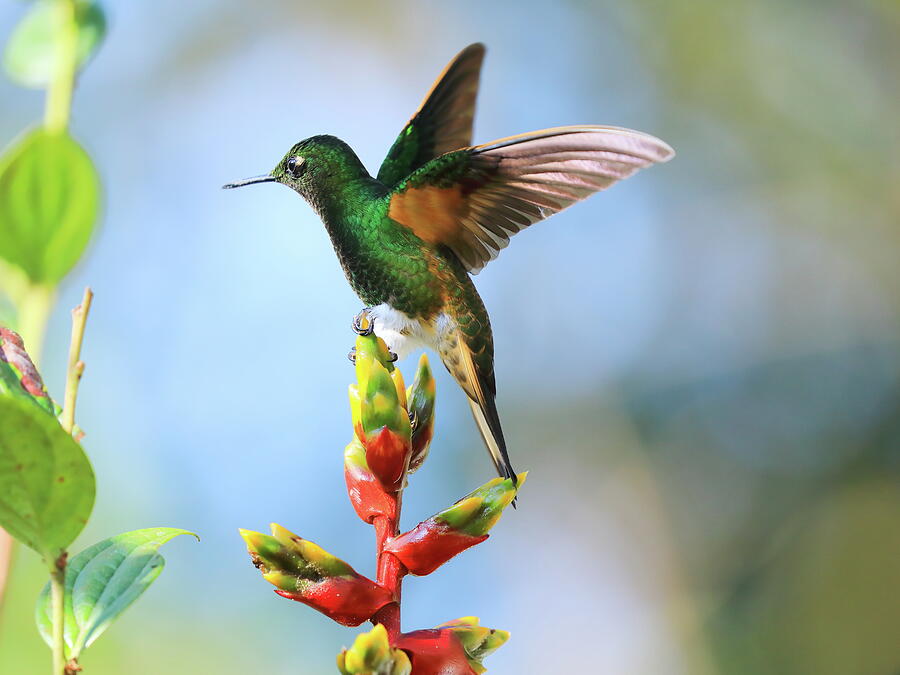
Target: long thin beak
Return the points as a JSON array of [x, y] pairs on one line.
[[250, 181]]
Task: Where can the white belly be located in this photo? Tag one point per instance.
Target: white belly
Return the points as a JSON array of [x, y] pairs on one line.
[[403, 334]]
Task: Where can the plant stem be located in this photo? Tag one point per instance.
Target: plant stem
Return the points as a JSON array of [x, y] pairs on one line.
[[67, 420], [76, 366], [390, 570], [34, 306], [57, 600], [59, 92]]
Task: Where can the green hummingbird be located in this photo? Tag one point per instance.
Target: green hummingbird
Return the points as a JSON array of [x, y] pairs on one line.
[[440, 209]]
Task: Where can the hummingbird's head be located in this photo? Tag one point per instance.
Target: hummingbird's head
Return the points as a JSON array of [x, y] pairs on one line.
[[314, 168]]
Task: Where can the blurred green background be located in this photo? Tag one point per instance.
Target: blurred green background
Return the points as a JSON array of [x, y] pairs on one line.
[[700, 368]]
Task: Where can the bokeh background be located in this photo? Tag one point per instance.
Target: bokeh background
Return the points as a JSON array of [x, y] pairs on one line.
[[700, 367]]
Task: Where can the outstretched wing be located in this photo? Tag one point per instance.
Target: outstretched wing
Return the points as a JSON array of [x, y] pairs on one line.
[[442, 123], [473, 200]]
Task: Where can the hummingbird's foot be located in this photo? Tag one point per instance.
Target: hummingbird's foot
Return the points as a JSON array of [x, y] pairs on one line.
[[392, 357], [352, 356], [363, 324]]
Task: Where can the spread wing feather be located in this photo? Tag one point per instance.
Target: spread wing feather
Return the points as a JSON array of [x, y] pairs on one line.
[[474, 199], [443, 121]]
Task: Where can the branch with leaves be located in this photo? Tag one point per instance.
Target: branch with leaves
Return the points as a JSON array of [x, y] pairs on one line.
[[47, 490], [49, 188], [393, 428], [49, 204]]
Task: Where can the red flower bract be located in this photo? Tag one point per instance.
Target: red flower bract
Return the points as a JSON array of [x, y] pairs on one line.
[[348, 601], [429, 545], [367, 494], [435, 652], [387, 454]]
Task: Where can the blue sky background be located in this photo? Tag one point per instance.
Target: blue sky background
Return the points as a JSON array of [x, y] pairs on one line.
[[699, 367]]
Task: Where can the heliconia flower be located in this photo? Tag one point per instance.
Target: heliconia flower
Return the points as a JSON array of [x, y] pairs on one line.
[[369, 497], [380, 420], [18, 375], [435, 541], [420, 397], [478, 641], [302, 571], [372, 654]]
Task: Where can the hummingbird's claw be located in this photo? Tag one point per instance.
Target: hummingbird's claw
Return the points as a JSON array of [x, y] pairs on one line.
[[363, 324], [392, 357], [352, 356]]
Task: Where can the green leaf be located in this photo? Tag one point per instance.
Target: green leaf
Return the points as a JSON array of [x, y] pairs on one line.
[[49, 200], [46, 481], [33, 52], [102, 581]]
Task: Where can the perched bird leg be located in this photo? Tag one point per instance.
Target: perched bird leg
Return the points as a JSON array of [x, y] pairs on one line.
[[392, 357], [363, 324]]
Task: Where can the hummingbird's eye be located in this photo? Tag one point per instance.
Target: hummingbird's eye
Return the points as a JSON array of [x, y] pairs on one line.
[[296, 166]]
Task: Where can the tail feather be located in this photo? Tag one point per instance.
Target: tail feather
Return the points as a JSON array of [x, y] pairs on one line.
[[478, 384], [492, 434]]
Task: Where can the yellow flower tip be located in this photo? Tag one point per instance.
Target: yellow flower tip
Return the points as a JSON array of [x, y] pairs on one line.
[[365, 321], [250, 538], [354, 662], [467, 507], [500, 636], [276, 578], [283, 535], [384, 354], [461, 621], [493, 482], [523, 476], [369, 651], [378, 637], [397, 377], [312, 552]]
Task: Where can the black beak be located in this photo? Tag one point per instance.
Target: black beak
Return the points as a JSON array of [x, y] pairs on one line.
[[250, 181]]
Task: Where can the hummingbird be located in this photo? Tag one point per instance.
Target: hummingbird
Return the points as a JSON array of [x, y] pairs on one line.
[[439, 209]]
